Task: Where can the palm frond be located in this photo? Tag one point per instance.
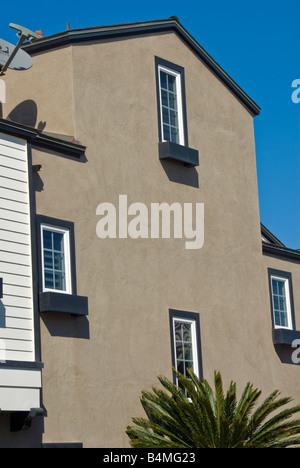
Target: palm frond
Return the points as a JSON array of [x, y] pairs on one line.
[[194, 415]]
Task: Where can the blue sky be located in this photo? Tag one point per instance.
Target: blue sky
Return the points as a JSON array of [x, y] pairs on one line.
[[257, 42]]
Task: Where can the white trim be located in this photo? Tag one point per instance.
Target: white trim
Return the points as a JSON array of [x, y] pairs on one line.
[[288, 301], [179, 102], [67, 257]]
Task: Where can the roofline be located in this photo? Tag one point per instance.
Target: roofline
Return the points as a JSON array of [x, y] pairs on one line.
[[37, 138], [74, 36], [278, 251], [269, 236]]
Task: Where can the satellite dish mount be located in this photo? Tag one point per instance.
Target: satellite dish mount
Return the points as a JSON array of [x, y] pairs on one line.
[[23, 35]]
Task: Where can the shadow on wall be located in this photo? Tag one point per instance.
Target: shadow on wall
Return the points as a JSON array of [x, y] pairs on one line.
[[64, 325], [25, 113], [288, 355], [180, 174]]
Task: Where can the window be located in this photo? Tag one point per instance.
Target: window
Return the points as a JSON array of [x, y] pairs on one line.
[[185, 342], [56, 253], [170, 105], [171, 102], [281, 299], [171, 111], [56, 270]]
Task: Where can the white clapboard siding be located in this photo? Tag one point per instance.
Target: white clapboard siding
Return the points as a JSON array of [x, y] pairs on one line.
[[18, 312], [12, 163], [18, 186], [12, 205], [16, 280], [10, 194], [16, 307], [17, 323]]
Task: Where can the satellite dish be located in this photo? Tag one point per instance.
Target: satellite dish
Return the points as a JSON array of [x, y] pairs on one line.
[[12, 56], [21, 61]]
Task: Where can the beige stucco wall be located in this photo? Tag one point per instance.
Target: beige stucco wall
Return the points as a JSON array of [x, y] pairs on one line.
[[95, 367], [42, 96]]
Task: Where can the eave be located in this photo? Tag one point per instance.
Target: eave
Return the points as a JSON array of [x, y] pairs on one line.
[[171, 24], [281, 252], [42, 140]]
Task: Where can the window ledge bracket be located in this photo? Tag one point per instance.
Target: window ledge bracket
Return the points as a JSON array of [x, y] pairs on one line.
[[282, 336], [63, 303], [175, 152]]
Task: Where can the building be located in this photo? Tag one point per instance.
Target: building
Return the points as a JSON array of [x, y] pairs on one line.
[[107, 124]]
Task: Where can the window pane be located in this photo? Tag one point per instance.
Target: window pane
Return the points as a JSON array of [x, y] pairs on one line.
[[47, 239], [163, 80], [48, 259], [188, 353], [60, 281], [58, 241], [179, 351], [59, 263], [274, 286], [164, 98], [172, 83], [277, 318], [173, 101], [174, 135], [166, 133], [173, 118], [284, 320], [281, 289], [165, 115], [187, 335], [178, 331], [282, 304], [49, 283]]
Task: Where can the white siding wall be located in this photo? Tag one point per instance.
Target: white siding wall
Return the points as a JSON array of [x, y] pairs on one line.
[[19, 387], [16, 307]]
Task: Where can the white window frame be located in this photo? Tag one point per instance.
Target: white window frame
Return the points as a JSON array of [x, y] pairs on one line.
[[179, 102], [288, 301], [194, 343], [67, 257]]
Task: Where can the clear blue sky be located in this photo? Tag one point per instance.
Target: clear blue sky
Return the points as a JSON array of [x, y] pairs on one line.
[[257, 42]]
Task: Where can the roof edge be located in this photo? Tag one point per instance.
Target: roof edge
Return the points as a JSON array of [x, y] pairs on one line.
[[283, 253], [74, 36], [270, 236], [42, 140]]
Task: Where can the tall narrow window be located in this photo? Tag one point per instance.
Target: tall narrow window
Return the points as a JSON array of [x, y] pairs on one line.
[[281, 303], [171, 102], [56, 259], [185, 345], [171, 107], [281, 299], [185, 342]]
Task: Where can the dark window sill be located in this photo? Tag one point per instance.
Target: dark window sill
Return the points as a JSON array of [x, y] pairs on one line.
[[282, 336], [64, 303], [175, 152]]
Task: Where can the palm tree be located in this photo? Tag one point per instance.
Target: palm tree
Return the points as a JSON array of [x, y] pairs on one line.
[[193, 416]]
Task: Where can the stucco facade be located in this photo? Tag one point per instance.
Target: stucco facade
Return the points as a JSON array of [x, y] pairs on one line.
[[102, 92]]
